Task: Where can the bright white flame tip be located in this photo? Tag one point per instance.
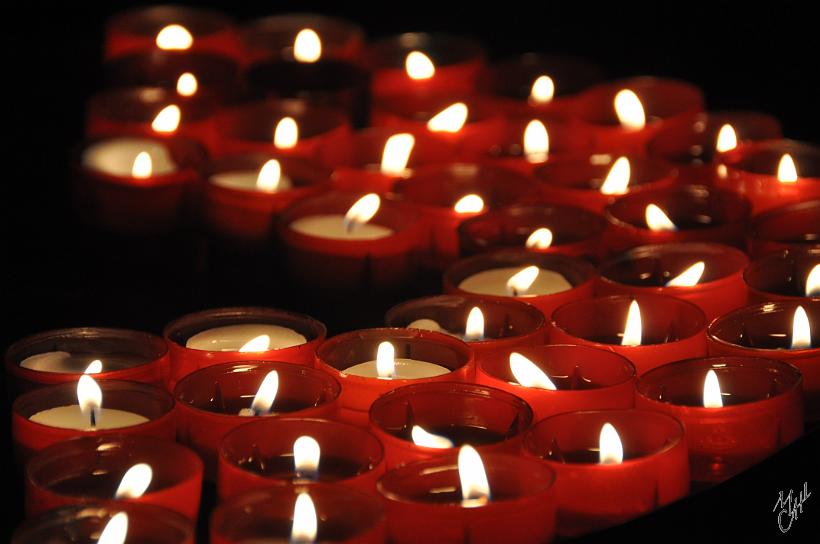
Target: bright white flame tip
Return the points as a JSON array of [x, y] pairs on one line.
[[362, 211], [475, 489], [801, 330], [450, 119], [543, 90], [286, 133], [633, 330], [536, 141], [305, 523], [528, 374], [475, 325], [115, 531], [786, 169], [174, 37], [689, 277], [469, 204], [726, 139], [266, 395], [712, 397], [307, 47], [611, 450], [813, 282], [386, 360], [629, 110], [429, 440], [521, 281], [269, 176], [94, 367], [187, 84], [135, 482], [89, 397], [143, 166], [306, 456], [396, 154], [617, 179], [257, 344], [539, 239], [419, 66], [657, 220], [167, 120]]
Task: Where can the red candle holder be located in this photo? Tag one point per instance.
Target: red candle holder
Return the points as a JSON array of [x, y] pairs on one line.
[[209, 401], [585, 378], [521, 507], [90, 469], [692, 146], [699, 213], [664, 101], [344, 515], [260, 454], [781, 276], [673, 329], [648, 269], [356, 161], [136, 30], [148, 401], [578, 274], [761, 412], [751, 170], [246, 214], [486, 418], [434, 190], [591, 496], [576, 232], [457, 61], [578, 181], [85, 522], [787, 227], [341, 352], [125, 354], [185, 360], [765, 331]]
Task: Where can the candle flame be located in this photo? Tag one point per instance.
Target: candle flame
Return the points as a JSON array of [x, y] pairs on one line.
[[536, 142], [174, 37], [307, 47], [115, 530], [475, 325], [471, 203], [306, 456], [419, 66], [727, 139], [396, 153], [801, 330], [629, 110], [134, 482], [521, 281], [89, 397], [265, 395], [450, 119], [167, 120], [386, 361], [257, 344], [269, 176], [786, 169], [528, 374], [689, 277], [543, 90], [362, 211], [657, 220], [539, 239], [143, 166], [94, 367], [712, 397], [305, 523], [617, 179], [611, 450], [187, 84], [286, 133], [813, 282], [429, 440], [475, 489], [633, 329]]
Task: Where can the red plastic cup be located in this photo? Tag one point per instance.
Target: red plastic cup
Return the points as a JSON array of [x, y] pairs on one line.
[[781, 276], [788, 227]]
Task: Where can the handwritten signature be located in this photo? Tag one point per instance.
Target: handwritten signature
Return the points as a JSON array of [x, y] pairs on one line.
[[790, 506]]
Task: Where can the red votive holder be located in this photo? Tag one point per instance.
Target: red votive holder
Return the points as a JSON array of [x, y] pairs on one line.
[[585, 378], [152, 403], [486, 418], [62, 355], [573, 277], [344, 515], [672, 329], [435, 190], [84, 523], [782, 276], [692, 145], [592, 496], [648, 269], [766, 330], [185, 360], [424, 502], [752, 170], [788, 227], [339, 353], [699, 214], [260, 454], [90, 469], [664, 102], [575, 231], [240, 212], [578, 181], [209, 401], [356, 161], [136, 31], [761, 413]]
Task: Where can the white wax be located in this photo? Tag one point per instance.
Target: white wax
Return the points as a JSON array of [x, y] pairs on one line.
[[494, 282], [76, 363], [245, 180], [115, 156], [233, 337], [406, 369], [332, 226], [433, 326], [70, 417]]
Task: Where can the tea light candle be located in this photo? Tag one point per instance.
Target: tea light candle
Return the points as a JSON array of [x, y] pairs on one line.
[[786, 275], [237, 338], [387, 367], [788, 227], [116, 156], [510, 281]]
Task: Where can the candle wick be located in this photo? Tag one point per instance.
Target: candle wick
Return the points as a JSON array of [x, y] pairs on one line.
[[93, 417]]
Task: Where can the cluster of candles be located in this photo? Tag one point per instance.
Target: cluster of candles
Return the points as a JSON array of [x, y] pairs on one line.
[[603, 343]]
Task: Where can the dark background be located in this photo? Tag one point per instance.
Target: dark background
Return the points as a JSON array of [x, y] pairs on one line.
[[761, 57]]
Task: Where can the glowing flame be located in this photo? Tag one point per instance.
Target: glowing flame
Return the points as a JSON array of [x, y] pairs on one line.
[[475, 489], [475, 325], [450, 119], [257, 344], [174, 37], [386, 360], [536, 141], [143, 166], [727, 139], [286, 133], [269, 176], [801, 330], [396, 153], [657, 220], [167, 120], [617, 180], [187, 84], [115, 530], [265, 395], [629, 110], [633, 329], [307, 47], [528, 374], [711, 391], [471, 203], [689, 277], [306, 456], [89, 397], [134, 482], [786, 169], [611, 451], [539, 239], [543, 90], [429, 440], [362, 211], [522, 280], [419, 66], [813, 282], [305, 523], [94, 367]]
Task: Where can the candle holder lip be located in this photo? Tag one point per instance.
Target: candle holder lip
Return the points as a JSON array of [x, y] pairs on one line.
[[301, 172], [512, 77], [754, 275], [759, 222], [763, 157], [581, 172], [443, 48]]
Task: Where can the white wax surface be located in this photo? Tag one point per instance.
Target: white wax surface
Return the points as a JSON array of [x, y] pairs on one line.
[[406, 369], [433, 326], [332, 226], [245, 180], [233, 337], [494, 282], [70, 417], [74, 363], [115, 156]]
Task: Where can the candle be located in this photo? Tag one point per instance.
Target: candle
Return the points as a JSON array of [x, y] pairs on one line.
[[788, 275], [788, 227], [351, 226], [237, 338], [387, 367], [517, 282]]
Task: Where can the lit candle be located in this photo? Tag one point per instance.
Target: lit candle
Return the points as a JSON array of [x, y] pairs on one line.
[[305, 523], [306, 457], [268, 179], [265, 396], [387, 367], [66, 363], [135, 482], [118, 157], [516, 282], [451, 119], [237, 337], [354, 225]]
